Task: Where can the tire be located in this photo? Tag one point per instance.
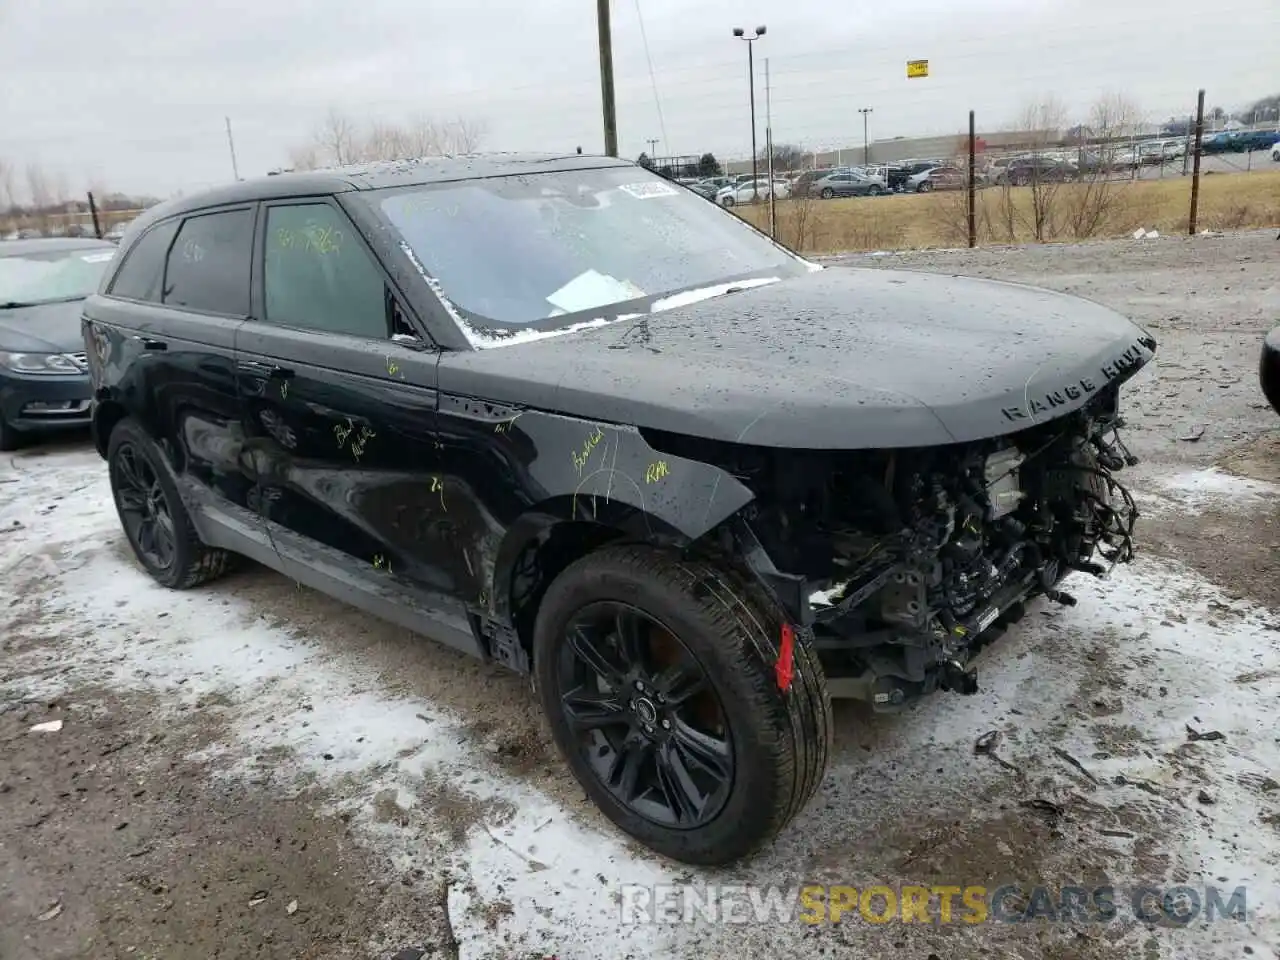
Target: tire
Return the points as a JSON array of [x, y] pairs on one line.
[[10, 439], [925, 187], [727, 202], [827, 193], [775, 743], [184, 562], [873, 191]]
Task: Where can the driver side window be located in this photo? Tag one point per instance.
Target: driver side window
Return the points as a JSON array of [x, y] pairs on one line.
[[319, 276]]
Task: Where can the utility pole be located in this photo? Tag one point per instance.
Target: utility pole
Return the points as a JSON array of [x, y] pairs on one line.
[[1195, 171], [235, 170], [653, 146], [768, 145], [606, 79], [866, 144], [972, 185]]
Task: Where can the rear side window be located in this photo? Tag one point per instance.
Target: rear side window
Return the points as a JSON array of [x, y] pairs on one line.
[[142, 272], [208, 267]]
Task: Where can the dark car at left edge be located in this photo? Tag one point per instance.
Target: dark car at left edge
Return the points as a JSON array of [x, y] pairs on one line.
[[44, 380]]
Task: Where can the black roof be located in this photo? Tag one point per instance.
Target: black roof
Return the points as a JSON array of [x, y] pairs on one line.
[[377, 176], [17, 248]]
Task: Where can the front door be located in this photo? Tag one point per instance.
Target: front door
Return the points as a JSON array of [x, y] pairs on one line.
[[338, 387]]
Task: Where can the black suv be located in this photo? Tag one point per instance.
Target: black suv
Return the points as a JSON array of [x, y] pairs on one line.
[[565, 416]]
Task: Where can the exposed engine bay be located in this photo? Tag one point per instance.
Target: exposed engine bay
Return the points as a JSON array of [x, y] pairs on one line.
[[903, 563]]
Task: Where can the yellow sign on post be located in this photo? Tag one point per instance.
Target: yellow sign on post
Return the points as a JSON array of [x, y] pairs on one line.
[[917, 68]]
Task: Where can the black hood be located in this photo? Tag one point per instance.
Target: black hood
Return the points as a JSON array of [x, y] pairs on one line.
[[47, 328], [842, 358]]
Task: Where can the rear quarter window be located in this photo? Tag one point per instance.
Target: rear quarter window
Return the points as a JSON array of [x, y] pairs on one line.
[[140, 275]]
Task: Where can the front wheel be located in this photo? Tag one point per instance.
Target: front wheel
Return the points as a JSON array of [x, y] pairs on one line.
[[658, 679], [154, 518], [925, 187], [827, 193], [10, 439], [727, 202]]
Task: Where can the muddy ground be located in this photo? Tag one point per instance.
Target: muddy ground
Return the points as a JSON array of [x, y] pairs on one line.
[[252, 770]]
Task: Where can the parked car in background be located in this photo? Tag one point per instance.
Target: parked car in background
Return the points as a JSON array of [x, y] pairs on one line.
[[899, 174], [1025, 171], [1275, 151], [747, 192], [945, 177], [704, 188], [847, 184], [800, 186], [44, 383], [650, 459]]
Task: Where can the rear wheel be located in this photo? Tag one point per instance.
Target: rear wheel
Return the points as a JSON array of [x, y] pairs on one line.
[[657, 677], [154, 518], [873, 191]]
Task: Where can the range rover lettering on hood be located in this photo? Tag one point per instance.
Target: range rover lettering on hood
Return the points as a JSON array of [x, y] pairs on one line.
[[1133, 357]]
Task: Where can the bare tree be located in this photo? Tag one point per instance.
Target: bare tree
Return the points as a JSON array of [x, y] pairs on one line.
[[8, 192], [337, 137], [466, 136], [340, 140], [305, 157], [1092, 202], [1042, 121]]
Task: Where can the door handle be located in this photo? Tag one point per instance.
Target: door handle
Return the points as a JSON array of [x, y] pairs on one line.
[[269, 370], [149, 344]]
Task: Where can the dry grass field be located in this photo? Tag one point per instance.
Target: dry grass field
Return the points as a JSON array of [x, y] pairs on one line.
[[1067, 212]]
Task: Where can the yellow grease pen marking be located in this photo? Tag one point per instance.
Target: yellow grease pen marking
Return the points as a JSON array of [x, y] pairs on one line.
[[656, 471], [505, 425], [437, 486], [312, 239], [580, 457], [392, 367], [342, 432], [357, 445]]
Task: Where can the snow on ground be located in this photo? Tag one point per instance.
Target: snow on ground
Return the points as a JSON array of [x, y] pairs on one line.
[[1093, 705]]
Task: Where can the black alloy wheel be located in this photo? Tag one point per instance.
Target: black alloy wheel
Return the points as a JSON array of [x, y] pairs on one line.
[[144, 507], [154, 518], [646, 719]]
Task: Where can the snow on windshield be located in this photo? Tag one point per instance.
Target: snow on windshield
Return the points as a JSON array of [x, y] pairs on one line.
[[521, 258]]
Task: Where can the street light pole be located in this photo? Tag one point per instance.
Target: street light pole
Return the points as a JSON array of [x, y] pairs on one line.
[[866, 144], [751, 80], [653, 146]]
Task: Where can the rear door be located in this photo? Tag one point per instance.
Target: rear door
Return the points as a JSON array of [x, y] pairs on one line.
[[163, 337], [338, 387]]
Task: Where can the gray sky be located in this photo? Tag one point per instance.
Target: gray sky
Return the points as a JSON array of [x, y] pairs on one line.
[[131, 94]]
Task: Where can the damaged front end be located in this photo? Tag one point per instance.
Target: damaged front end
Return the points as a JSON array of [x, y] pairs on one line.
[[904, 563]]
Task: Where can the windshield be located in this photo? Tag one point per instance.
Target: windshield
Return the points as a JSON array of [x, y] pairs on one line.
[[518, 256], [47, 276]]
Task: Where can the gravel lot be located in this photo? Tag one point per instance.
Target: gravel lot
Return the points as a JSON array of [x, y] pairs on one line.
[[252, 769]]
